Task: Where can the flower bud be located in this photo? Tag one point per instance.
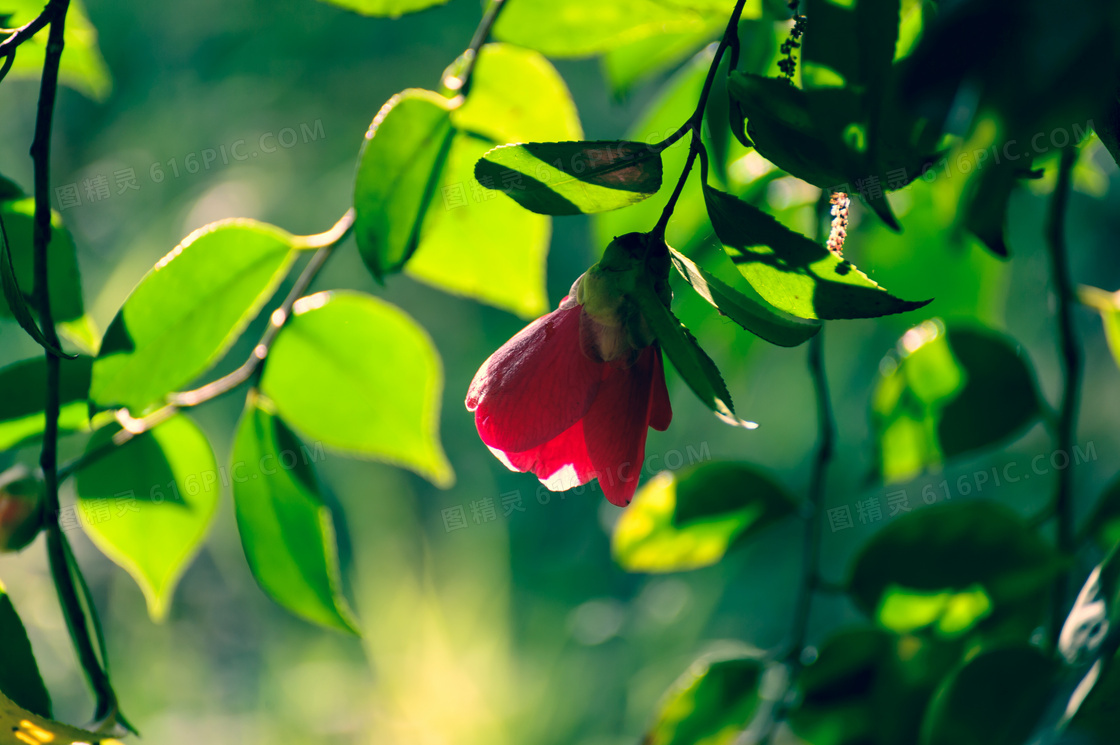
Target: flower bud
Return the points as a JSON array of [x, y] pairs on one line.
[[611, 328], [21, 514]]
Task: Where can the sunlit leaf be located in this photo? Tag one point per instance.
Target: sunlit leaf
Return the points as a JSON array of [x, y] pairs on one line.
[[18, 726], [187, 311], [689, 519], [792, 272], [149, 503], [517, 95], [630, 64], [286, 530], [19, 674], [944, 393], [732, 301], [473, 241], [330, 377], [25, 392], [388, 8], [711, 703], [571, 178], [479, 244], [1108, 305], [580, 28], [995, 699], [399, 171], [979, 554], [82, 68]]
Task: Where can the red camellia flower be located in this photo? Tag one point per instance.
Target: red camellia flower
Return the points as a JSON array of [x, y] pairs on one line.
[[571, 396]]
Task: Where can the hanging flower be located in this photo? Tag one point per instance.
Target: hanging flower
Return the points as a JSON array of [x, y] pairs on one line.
[[571, 397]]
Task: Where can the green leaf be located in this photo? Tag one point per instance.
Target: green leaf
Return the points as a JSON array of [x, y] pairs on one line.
[[17, 303], [760, 319], [689, 519], [188, 310], [63, 279], [995, 699], [869, 686], [18, 726], [25, 387], [711, 703], [630, 64], [792, 272], [581, 28], [83, 67], [672, 105], [516, 95], [692, 362], [149, 503], [19, 674], [572, 178], [328, 376], [398, 171], [385, 8], [947, 392], [988, 202], [978, 554], [489, 250], [286, 530]]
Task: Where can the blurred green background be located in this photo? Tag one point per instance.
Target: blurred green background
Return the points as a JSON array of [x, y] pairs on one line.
[[520, 629]]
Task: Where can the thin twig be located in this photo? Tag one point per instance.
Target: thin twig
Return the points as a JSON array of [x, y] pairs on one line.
[[131, 427], [695, 122], [55, 15], [1065, 294], [25, 32], [462, 82]]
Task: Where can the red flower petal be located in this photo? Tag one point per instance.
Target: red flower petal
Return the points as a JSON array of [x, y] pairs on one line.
[[615, 427], [561, 463], [536, 386], [661, 412]]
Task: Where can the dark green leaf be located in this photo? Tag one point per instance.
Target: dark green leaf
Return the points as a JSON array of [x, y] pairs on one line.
[[24, 386], [581, 28], [149, 503], [62, 260], [691, 362], [986, 213], [328, 377], [572, 178], [15, 300], [188, 310], [995, 699], [286, 530], [951, 566], [398, 171], [711, 703], [689, 519], [868, 686], [944, 393], [1107, 127], [732, 300], [19, 674], [792, 272], [387, 8]]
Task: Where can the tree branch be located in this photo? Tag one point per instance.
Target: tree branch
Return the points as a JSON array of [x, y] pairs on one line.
[[1066, 295], [462, 82], [695, 122]]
